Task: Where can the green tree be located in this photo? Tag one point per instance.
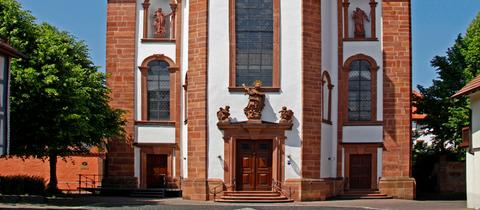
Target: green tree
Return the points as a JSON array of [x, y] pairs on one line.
[[446, 116], [59, 101]]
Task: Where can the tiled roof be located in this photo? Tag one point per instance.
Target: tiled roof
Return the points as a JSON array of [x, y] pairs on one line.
[[471, 87], [6, 49], [415, 115]]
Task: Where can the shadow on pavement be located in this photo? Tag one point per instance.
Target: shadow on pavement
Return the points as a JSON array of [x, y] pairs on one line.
[[78, 200]]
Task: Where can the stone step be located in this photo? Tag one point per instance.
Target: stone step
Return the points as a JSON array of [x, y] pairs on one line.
[[252, 193], [363, 194], [157, 193], [352, 197], [253, 201], [253, 197]]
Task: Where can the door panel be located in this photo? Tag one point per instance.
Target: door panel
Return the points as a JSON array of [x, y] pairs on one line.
[[254, 165], [156, 171], [360, 171], [247, 171]]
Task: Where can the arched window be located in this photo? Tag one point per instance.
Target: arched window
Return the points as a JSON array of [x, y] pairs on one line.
[[327, 98], [254, 43], [361, 88], [158, 92]]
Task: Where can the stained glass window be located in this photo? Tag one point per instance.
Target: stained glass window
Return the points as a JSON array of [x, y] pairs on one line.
[[360, 91], [158, 91], [254, 41]]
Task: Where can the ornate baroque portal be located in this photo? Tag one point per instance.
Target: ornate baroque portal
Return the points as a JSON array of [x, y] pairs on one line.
[[260, 138]]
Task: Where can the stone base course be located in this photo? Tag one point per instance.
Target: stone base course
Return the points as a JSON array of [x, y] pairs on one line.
[[398, 187]]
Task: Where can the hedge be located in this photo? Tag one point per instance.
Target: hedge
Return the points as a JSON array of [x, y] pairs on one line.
[[22, 185]]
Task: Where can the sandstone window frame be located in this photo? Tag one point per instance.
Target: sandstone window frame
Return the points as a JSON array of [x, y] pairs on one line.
[[174, 70], [373, 90], [233, 87]]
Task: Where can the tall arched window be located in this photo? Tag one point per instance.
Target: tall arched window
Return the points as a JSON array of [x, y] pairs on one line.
[[327, 98], [254, 43], [361, 88], [360, 91], [158, 89]]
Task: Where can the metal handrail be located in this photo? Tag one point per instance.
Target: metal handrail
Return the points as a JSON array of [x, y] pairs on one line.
[[224, 187], [88, 181], [277, 187]]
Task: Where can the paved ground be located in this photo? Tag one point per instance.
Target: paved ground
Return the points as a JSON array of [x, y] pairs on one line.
[[99, 202]]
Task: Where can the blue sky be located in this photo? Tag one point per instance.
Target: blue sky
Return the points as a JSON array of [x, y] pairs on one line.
[[435, 25]]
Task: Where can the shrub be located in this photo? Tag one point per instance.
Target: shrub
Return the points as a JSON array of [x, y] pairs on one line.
[[21, 185]]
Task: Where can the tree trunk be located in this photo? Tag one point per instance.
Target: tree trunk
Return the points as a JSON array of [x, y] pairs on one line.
[[52, 187]]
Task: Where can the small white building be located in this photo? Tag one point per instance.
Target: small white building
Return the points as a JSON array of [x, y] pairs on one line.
[[473, 143], [6, 53]]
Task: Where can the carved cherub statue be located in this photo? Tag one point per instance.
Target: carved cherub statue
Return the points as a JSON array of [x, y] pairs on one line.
[[286, 115], [223, 114]]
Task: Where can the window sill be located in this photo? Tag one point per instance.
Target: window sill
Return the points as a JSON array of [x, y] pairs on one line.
[[165, 123], [365, 123], [262, 89], [150, 40], [360, 39]]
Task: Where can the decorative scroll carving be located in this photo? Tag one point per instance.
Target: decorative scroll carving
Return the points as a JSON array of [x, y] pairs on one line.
[[256, 101], [359, 16], [286, 116], [223, 114]]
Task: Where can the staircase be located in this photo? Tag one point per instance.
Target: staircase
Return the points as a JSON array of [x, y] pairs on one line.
[[253, 197], [363, 194], [151, 193]]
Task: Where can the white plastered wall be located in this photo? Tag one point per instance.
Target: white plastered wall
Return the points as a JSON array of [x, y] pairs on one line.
[[290, 77], [184, 67], [362, 134], [330, 64], [473, 160]]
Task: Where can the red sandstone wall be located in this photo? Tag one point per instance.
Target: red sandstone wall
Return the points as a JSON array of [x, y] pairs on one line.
[[120, 66], [397, 88], [195, 186], [312, 89], [67, 172]]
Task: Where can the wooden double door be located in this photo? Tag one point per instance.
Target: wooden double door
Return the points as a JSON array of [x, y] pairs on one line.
[[360, 171], [254, 165], [157, 170]]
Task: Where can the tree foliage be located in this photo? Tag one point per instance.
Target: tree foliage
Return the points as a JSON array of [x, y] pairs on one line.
[[59, 101], [445, 116]]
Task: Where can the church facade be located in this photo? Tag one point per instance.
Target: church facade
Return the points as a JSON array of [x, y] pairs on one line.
[[307, 96]]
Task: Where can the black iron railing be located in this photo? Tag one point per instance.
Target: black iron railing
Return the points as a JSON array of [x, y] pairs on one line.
[[89, 181]]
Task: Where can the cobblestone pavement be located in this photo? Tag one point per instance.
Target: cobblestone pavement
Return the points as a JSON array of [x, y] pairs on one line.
[[100, 202]]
